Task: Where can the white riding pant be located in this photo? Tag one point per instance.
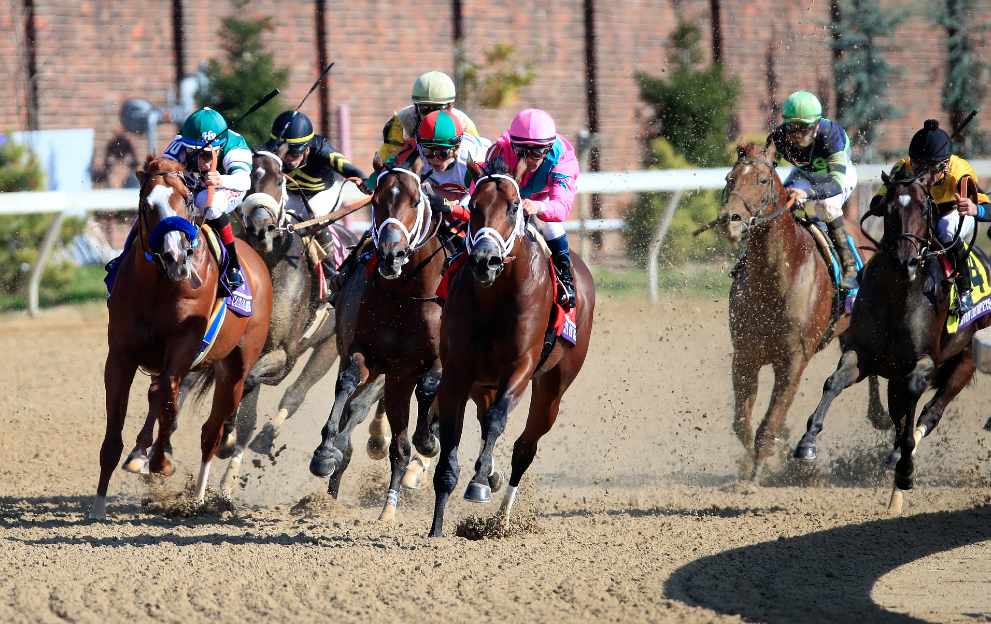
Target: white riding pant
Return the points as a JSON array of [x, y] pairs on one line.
[[224, 202], [550, 230], [948, 225], [323, 203], [832, 207]]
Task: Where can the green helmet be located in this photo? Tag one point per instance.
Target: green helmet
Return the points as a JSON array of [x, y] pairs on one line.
[[434, 88], [205, 126], [803, 107]]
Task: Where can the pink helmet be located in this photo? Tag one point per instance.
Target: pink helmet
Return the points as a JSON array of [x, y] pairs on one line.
[[533, 127]]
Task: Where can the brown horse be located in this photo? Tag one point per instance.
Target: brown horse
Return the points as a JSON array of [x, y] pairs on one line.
[[492, 338], [397, 330], [161, 301], [782, 302], [897, 328]]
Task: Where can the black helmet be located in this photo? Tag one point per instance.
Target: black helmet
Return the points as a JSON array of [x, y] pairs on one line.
[[293, 128], [931, 143]]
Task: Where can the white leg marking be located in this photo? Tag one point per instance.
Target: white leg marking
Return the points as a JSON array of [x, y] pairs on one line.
[[280, 417], [201, 481], [230, 475], [99, 509], [508, 500]]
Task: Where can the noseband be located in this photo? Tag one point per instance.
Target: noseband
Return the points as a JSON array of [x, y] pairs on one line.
[[770, 196], [281, 216], [419, 234], [505, 245]]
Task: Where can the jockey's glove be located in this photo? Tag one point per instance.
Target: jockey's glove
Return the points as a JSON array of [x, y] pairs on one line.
[[441, 205]]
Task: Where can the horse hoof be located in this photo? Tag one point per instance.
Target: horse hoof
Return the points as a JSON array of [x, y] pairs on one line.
[[903, 482], [325, 466], [377, 448], [414, 474], [755, 475], [166, 468], [892, 459], [264, 441], [478, 493], [496, 481], [226, 448], [135, 463], [431, 449], [805, 452]]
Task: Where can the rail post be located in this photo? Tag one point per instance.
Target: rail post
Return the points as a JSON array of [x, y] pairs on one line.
[[658, 240], [40, 262]]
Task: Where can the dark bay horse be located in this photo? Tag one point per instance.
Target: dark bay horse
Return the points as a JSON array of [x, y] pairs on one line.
[[396, 332], [897, 328], [492, 337], [162, 298], [781, 303]]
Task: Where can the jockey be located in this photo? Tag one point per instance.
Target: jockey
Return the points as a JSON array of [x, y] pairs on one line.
[[932, 150], [549, 184], [431, 92], [823, 174]]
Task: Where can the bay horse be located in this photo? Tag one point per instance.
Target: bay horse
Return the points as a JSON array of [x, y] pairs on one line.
[[164, 293], [782, 302], [897, 328], [396, 333], [492, 338]]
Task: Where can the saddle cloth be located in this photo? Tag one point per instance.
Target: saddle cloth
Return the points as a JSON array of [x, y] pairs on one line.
[[824, 243], [239, 301], [977, 263]]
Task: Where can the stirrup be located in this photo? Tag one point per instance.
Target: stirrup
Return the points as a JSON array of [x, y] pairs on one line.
[[233, 278], [965, 302], [566, 297]]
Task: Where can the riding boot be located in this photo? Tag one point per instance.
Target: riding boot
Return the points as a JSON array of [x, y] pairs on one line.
[[960, 252], [232, 278], [837, 233], [561, 257]]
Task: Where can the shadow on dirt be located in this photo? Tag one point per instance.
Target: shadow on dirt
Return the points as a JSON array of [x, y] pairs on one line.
[[825, 576]]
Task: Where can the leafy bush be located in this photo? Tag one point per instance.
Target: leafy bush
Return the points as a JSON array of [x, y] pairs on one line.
[[246, 75], [21, 235], [496, 82]]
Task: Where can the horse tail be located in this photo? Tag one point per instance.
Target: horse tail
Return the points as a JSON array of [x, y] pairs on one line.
[[202, 384]]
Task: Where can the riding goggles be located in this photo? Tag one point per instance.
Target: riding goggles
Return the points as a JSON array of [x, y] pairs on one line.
[[532, 151], [934, 166], [799, 127], [425, 109], [438, 152], [296, 149]]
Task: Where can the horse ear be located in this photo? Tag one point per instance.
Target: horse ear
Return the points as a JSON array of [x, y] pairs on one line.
[[473, 169], [770, 152], [417, 166], [142, 176], [885, 178], [741, 148], [520, 171], [377, 163]]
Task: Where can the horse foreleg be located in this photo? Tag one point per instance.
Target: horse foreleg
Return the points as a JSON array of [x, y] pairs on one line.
[[787, 376], [355, 414], [327, 456], [397, 395], [163, 403], [846, 374], [452, 398], [876, 414], [424, 441], [745, 394], [493, 424], [906, 397], [118, 376]]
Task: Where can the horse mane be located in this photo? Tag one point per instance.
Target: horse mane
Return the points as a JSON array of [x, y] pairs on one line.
[[158, 164], [498, 166]]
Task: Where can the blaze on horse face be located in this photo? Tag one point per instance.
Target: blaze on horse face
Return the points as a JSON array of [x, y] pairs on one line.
[[907, 211], [748, 180], [165, 195], [396, 197], [495, 206]]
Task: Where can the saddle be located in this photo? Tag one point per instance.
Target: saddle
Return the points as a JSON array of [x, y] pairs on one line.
[[826, 249]]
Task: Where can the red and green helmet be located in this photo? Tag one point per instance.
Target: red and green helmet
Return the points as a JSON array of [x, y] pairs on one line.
[[440, 128]]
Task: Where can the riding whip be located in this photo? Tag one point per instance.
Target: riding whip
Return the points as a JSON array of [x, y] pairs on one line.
[[262, 102], [333, 216], [312, 89], [963, 124]]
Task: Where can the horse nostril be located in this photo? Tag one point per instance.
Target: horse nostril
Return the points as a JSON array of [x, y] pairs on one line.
[[494, 262]]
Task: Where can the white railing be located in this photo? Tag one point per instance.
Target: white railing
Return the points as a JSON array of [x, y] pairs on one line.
[[670, 180]]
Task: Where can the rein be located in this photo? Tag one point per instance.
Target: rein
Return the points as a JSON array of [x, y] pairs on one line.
[[505, 245], [923, 245], [417, 236]]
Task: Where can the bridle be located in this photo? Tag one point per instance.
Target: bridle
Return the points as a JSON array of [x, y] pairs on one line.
[[770, 195], [923, 245], [281, 217], [166, 225], [505, 245], [420, 233]]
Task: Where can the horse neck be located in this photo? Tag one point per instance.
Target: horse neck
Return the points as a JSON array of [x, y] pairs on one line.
[[774, 249]]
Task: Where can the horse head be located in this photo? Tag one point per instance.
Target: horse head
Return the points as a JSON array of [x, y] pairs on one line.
[[168, 234], [751, 188], [263, 207], [497, 221], [400, 216], [907, 210]]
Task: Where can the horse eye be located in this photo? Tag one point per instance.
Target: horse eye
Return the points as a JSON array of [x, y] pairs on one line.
[[762, 180], [735, 217]]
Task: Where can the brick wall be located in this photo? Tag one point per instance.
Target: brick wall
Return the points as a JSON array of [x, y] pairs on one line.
[[93, 55]]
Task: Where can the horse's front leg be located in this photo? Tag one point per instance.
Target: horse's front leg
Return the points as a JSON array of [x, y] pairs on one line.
[[452, 398], [354, 415], [163, 403], [424, 441], [397, 395], [245, 418], [876, 414], [494, 421], [846, 374], [356, 375], [118, 376], [745, 394], [906, 396], [787, 375]]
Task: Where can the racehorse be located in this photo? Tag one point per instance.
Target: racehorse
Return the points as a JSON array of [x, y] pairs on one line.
[[492, 339], [897, 328], [396, 332], [163, 296], [782, 302]]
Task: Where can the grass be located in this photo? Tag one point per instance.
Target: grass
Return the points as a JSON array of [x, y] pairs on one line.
[[87, 288], [688, 282]]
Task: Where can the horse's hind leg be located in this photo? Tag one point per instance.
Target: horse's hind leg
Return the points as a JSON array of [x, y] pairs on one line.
[[424, 441], [787, 376], [245, 419], [397, 395], [745, 394], [226, 396], [846, 374], [876, 414], [118, 376], [163, 401]]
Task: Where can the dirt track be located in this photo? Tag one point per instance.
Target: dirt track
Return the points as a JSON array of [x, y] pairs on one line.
[[633, 503]]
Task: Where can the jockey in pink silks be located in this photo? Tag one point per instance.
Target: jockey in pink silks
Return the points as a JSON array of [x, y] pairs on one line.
[[548, 187]]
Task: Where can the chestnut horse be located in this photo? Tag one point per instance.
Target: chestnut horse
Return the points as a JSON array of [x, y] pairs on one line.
[[897, 328], [396, 333], [782, 302], [162, 298], [492, 337]]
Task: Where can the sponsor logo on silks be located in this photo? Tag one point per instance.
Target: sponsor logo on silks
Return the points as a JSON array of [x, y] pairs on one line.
[[569, 331], [243, 303], [971, 315], [208, 136]]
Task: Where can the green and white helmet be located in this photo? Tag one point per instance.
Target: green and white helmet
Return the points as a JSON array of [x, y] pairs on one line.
[[435, 88], [204, 127], [803, 107]]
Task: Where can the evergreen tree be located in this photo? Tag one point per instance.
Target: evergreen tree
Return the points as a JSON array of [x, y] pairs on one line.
[[967, 75], [246, 75], [861, 39], [496, 82]]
